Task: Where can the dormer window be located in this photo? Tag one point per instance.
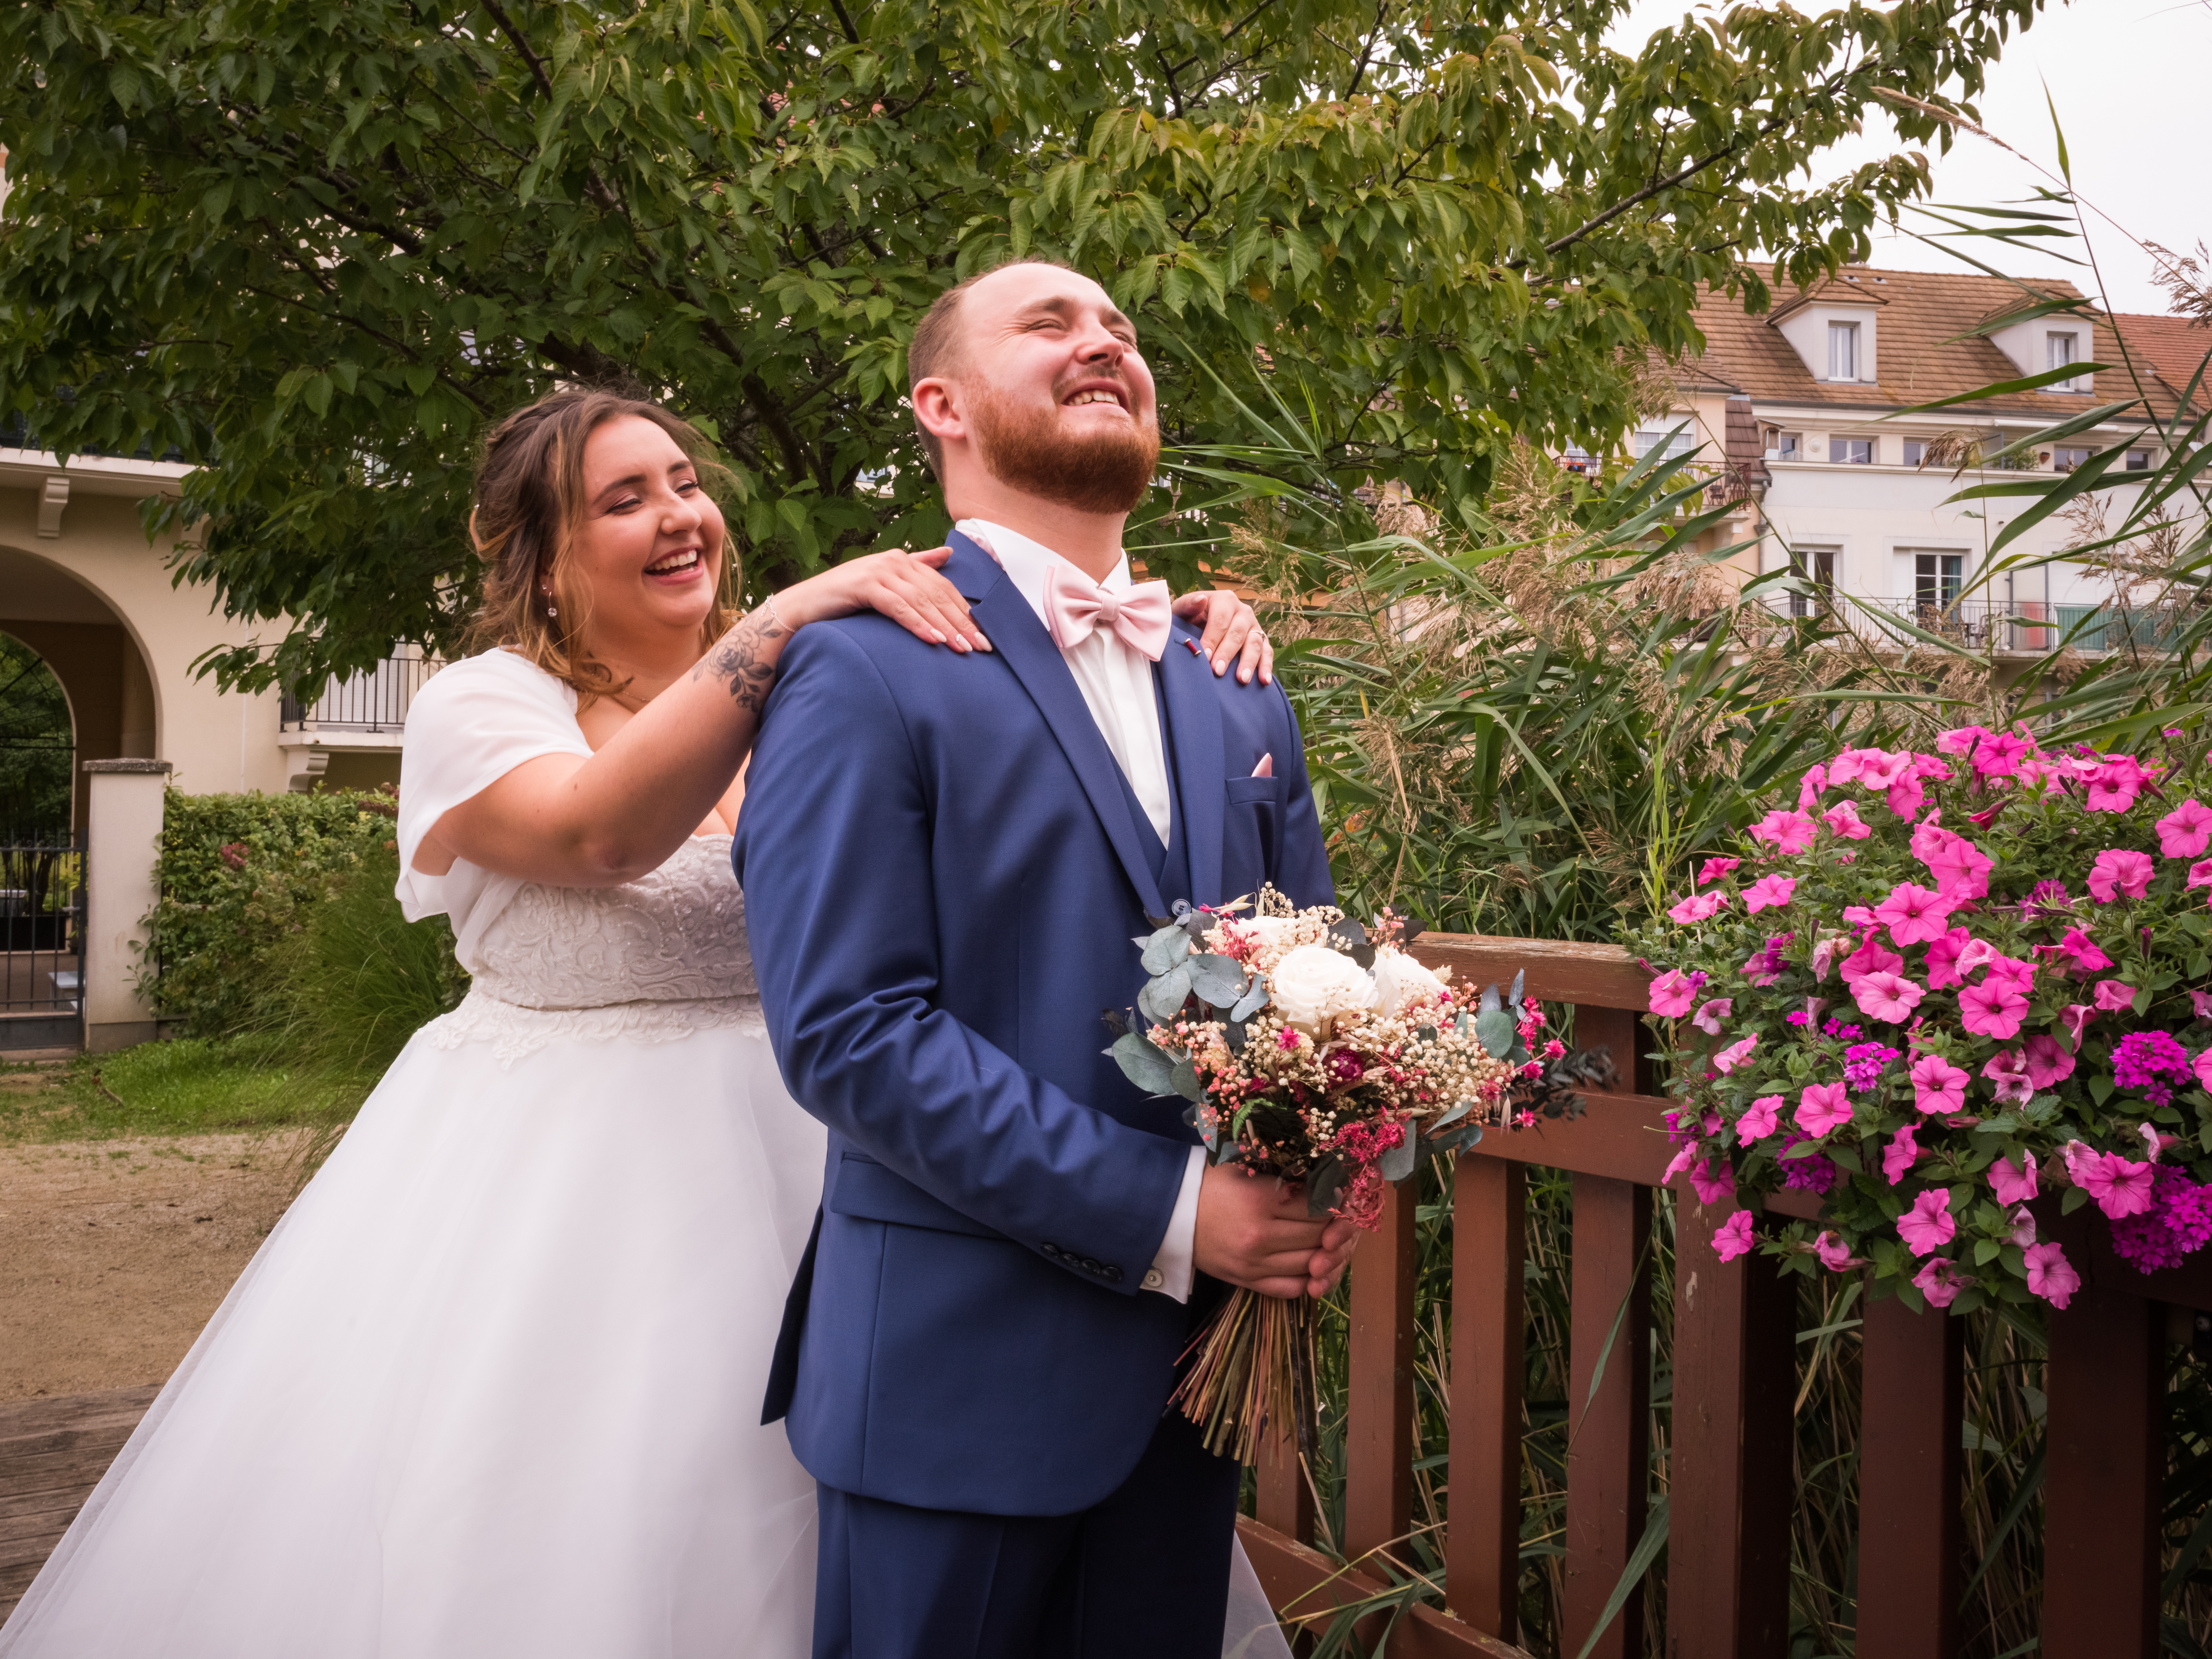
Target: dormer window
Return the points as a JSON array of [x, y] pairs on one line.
[[2059, 351], [1843, 351]]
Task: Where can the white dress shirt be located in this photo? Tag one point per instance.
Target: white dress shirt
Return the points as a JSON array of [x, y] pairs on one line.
[[1116, 682]]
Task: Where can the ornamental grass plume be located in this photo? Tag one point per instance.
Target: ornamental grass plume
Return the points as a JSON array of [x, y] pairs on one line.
[[2025, 942]]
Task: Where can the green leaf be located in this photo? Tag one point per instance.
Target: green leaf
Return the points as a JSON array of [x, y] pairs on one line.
[[1254, 1000], [1495, 1029], [1163, 995], [1219, 980], [1165, 949], [1402, 1159], [1143, 1063], [1184, 1081]]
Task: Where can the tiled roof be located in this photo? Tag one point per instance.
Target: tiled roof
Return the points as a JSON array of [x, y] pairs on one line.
[[1917, 357], [2175, 347]]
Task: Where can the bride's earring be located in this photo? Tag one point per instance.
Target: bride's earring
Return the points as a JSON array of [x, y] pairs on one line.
[[551, 612]]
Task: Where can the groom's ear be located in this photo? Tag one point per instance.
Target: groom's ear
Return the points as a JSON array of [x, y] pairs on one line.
[[939, 409]]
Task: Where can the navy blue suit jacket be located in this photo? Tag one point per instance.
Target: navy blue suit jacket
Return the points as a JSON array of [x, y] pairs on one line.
[[945, 872]]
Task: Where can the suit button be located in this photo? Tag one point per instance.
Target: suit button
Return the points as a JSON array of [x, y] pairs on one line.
[[1154, 1278], [1090, 1267]]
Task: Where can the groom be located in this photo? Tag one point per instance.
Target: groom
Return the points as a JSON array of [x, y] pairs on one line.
[[945, 860]]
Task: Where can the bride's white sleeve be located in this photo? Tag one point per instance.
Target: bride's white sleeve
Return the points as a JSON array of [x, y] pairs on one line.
[[472, 724]]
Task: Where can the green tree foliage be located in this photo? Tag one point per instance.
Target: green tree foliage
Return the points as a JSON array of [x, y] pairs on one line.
[[35, 745], [320, 246]]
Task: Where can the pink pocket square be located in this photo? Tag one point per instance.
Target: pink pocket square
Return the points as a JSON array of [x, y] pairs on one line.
[[1266, 769]]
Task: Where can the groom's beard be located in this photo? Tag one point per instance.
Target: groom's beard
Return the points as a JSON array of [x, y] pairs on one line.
[[1106, 472]]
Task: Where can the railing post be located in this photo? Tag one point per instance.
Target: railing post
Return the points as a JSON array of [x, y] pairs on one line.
[[1608, 1454], [1285, 1499], [1482, 1549], [2105, 1435], [1912, 1474], [1378, 1441]]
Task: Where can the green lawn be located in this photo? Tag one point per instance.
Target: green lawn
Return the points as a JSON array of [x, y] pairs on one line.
[[198, 1086]]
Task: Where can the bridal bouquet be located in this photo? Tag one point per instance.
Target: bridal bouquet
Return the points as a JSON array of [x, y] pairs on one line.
[[1314, 1051]]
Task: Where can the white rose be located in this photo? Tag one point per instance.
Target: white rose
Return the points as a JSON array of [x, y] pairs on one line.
[[1268, 930], [1399, 980], [1313, 984]]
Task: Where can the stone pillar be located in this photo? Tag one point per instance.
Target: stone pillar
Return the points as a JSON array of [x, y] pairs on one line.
[[123, 842]]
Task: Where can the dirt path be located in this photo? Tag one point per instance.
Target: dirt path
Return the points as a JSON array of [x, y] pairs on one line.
[[114, 1252]]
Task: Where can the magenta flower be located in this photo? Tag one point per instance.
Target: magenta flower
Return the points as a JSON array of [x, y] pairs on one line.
[[1734, 1054], [2185, 832], [1672, 993], [2021, 974], [2118, 872], [2050, 1275], [1697, 907], [1886, 997], [1733, 1237], [2113, 994], [2048, 1061], [2023, 1226], [1992, 1009], [1940, 1282], [1938, 1087], [1927, 1226], [2013, 1185], [1907, 795], [2200, 875], [1961, 739], [2203, 1067], [1835, 1256], [1843, 819], [1974, 953], [1870, 958], [2118, 1186], [1852, 765], [2202, 1002], [1809, 787], [1761, 1117], [1709, 1015], [1913, 914], [1769, 892], [2080, 951], [1943, 957], [1824, 957], [2007, 1070], [2000, 755], [1786, 832], [1902, 1153], [1822, 1106], [2113, 787], [1714, 869], [1961, 870], [1713, 1179], [1684, 1156]]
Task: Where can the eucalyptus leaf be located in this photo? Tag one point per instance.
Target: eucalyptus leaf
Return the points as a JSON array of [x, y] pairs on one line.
[[1495, 1029], [1254, 1000], [1165, 949], [1323, 1184], [1143, 1063], [1401, 1160], [1162, 998], [1235, 1035], [1184, 1081], [1219, 980], [1451, 1116], [1490, 1000], [1520, 978]]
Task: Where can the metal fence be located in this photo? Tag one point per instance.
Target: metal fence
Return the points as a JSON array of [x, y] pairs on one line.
[[2029, 627], [377, 701], [42, 931]]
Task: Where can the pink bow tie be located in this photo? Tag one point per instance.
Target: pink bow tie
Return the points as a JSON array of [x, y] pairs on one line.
[[1074, 606]]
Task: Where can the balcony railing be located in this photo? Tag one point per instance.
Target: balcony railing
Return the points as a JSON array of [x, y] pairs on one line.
[[2025, 627], [374, 701]]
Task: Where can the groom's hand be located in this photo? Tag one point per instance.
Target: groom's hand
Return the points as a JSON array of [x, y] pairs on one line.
[[1253, 1232]]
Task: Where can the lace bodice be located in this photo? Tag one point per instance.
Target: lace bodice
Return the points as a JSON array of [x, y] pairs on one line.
[[648, 961]]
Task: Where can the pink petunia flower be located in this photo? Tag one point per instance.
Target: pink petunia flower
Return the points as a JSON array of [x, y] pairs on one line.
[[1940, 1282], [2013, 1185], [2113, 994], [2113, 787], [1886, 997], [1870, 958], [1929, 1226], [1824, 957], [1733, 1237], [1938, 1087], [1962, 870], [2080, 951], [1973, 954], [2119, 1186], [1809, 787], [1961, 739], [2119, 872], [1709, 1015], [2203, 1067], [1822, 1106], [2050, 1275], [1786, 832], [2185, 832], [1913, 914], [1843, 819], [1860, 915], [1943, 957], [2201, 1003], [2075, 1016], [2048, 1061], [1672, 993], [1684, 1156], [2001, 754], [1714, 869], [2023, 1226], [1902, 1153], [1769, 892], [1762, 1117], [1835, 1256], [1907, 796], [2200, 875], [1992, 1009], [1713, 1179], [1734, 1054], [2021, 974], [1696, 908], [2007, 1070]]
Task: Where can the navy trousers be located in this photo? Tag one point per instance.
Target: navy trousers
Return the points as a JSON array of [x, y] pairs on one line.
[[1145, 1572]]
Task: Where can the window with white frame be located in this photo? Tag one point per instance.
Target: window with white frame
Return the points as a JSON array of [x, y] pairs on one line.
[[1843, 351], [1916, 451], [2138, 460], [1937, 576], [1851, 451], [2061, 350], [1785, 446], [1814, 562], [2067, 456]]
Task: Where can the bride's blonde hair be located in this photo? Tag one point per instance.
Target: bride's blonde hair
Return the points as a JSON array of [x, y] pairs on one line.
[[529, 498]]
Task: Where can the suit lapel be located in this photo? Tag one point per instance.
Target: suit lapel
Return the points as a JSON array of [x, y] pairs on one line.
[[1193, 710], [1020, 639]]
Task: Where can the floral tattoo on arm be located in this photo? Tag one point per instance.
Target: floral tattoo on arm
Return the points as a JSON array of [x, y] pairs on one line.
[[744, 660]]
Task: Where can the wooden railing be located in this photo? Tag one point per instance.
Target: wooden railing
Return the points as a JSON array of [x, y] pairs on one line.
[[1730, 1497]]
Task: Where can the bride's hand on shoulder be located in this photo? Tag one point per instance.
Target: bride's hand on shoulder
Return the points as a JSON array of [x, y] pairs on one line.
[[905, 586], [1232, 634]]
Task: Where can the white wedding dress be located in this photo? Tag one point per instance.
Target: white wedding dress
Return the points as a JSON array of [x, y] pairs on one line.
[[492, 1386]]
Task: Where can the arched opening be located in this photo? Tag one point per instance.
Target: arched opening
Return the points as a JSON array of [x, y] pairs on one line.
[[38, 748]]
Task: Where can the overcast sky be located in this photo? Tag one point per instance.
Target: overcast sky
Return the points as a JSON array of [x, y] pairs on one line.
[[2131, 81]]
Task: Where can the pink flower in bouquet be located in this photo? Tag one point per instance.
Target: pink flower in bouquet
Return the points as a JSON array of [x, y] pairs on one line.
[[2013, 1185], [1810, 785], [2000, 755], [1734, 1054], [2113, 994], [1913, 914], [2185, 832], [2200, 875], [1672, 993], [1822, 1106], [2080, 951], [2203, 1067], [2118, 1186], [1714, 869], [1961, 739], [2119, 872], [1870, 958], [1709, 1015], [1943, 958], [1886, 997], [1733, 1237], [2075, 1016], [1763, 1115], [2114, 786], [1938, 1087], [1835, 1256], [1902, 1153], [1697, 907], [2048, 1061], [1940, 1282], [1713, 1179], [1843, 819], [1992, 1009], [1786, 832], [1769, 892], [1927, 1226], [2050, 1275], [2007, 1070]]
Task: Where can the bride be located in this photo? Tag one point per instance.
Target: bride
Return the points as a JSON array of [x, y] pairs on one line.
[[492, 1387]]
